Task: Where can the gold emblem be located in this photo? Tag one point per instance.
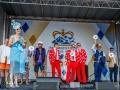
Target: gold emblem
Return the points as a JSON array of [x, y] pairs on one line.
[[63, 33]]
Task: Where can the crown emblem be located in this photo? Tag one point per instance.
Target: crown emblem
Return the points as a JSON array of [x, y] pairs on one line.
[[63, 38], [63, 33]]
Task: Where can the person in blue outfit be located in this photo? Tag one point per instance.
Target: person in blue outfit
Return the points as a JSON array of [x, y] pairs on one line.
[[99, 61], [27, 54], [17, 62]]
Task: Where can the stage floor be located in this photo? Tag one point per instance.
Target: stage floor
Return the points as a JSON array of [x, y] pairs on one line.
[[21, 87], [30, 87]]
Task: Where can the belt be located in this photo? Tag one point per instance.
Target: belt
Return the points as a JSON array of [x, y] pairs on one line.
[[57, 60], [96, 61], [73, 61]]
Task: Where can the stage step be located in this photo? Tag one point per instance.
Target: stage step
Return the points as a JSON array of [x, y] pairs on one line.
[[87, 86], [82, 86], [12, 89]]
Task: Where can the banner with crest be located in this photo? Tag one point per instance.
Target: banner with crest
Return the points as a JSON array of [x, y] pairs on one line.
[[66, 33]]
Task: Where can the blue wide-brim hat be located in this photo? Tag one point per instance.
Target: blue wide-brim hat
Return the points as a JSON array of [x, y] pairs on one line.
[[15, 25]]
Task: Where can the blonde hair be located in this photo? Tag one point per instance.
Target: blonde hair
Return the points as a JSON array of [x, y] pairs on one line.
[[25, 41]]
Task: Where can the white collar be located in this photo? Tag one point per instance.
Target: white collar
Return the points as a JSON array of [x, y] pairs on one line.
[[73, 50], [99, 50]]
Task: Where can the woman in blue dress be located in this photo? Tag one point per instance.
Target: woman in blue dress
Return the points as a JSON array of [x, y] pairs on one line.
[[17, 61]]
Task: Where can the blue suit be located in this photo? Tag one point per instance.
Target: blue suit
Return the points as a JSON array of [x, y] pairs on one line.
[[98, 63]]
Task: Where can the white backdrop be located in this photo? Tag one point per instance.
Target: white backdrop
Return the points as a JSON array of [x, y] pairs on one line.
[[34, 31]]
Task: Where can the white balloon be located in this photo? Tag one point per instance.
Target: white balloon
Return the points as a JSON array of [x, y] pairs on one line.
[[111, 55], [31, 48], [95, 37]]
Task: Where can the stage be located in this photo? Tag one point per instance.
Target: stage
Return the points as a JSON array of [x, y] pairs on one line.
[[21, 87], [40, 85], [32, 85], [65, 22], [88, 86]]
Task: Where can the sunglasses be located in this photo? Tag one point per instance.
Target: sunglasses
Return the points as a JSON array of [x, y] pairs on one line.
[[78, 45]]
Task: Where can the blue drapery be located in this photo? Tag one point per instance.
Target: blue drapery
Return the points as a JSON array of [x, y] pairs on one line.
[[17, 57], [22, 59]]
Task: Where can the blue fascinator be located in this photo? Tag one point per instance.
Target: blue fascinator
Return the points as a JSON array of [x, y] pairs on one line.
[[15, 25]]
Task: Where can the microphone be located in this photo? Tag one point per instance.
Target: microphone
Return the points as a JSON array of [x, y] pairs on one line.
[[19, 39]]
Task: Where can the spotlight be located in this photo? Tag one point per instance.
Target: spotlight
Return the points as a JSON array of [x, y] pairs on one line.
[[118, 22]]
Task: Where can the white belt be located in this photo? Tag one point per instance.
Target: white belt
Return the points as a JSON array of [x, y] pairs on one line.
[[96, 61]]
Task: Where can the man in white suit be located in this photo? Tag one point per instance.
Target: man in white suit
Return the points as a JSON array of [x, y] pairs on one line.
[[4, 60]]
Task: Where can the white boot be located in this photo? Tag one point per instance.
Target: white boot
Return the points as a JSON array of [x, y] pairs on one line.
[[11, 84], [16, 84]]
